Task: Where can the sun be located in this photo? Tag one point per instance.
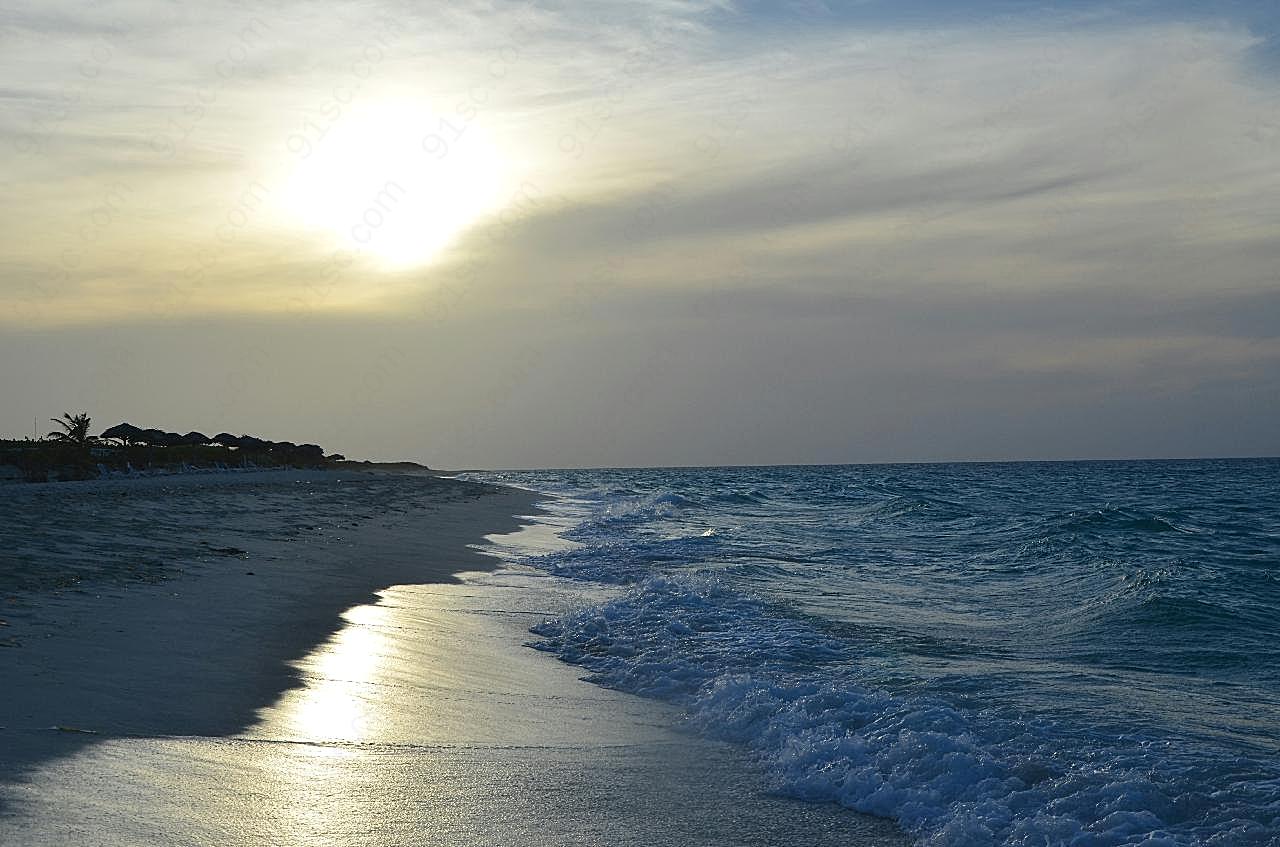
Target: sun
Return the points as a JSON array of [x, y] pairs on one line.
[[394, 180]]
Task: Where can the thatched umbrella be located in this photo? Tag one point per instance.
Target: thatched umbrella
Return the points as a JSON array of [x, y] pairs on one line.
[[171, 439], [125, 432]]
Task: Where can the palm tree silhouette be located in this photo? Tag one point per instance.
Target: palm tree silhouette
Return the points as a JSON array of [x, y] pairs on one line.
[[75, 428]]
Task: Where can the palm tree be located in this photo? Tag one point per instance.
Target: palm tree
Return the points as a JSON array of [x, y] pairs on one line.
[[75, 429]]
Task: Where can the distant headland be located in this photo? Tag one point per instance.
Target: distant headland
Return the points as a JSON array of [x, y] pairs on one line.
[[72, 453]]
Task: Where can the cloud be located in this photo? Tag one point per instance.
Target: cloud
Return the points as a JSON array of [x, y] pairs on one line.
[[819, 223], [892, 158]]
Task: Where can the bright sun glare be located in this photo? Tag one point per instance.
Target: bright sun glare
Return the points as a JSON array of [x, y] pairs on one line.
[[394, 181]]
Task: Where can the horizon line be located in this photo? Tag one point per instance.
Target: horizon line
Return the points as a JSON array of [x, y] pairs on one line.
[[882, 463]]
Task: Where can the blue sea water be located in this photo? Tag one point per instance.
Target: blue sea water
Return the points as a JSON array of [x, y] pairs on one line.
[[1074, 653]]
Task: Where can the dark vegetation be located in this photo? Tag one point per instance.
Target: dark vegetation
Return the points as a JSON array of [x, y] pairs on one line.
[[70, 452]]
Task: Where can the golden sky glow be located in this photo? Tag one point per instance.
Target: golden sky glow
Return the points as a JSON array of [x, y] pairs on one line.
[[394, 180]]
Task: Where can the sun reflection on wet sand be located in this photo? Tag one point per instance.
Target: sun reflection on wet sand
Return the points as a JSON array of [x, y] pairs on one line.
[[336, 703]]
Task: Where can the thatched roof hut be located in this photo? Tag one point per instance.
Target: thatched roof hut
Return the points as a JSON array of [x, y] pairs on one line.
[[285, 451], [160, 438], [124, 432]]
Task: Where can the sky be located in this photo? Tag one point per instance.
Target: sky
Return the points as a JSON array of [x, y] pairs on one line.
[[565, 234]]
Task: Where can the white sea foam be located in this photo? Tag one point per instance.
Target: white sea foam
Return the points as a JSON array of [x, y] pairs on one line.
[[1019, 654], [749, 672]]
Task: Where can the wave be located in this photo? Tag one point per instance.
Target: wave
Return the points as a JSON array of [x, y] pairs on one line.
[[616, 507], [615, 510], [749, 672], [902, 505], [623, 563], [990, 655], [752, 496], [1117, 519]]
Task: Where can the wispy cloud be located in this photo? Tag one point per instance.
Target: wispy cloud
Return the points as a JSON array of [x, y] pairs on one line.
[[925, 196]]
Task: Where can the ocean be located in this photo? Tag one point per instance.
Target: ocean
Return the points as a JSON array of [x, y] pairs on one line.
[[1082, 653]]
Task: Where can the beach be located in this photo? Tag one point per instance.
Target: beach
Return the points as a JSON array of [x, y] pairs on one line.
[[331, 658]]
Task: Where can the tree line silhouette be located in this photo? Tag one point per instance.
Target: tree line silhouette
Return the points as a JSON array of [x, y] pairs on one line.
[[70, 452]]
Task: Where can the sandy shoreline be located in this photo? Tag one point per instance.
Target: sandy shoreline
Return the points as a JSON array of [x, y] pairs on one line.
[[309, 703], [197, 647]]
